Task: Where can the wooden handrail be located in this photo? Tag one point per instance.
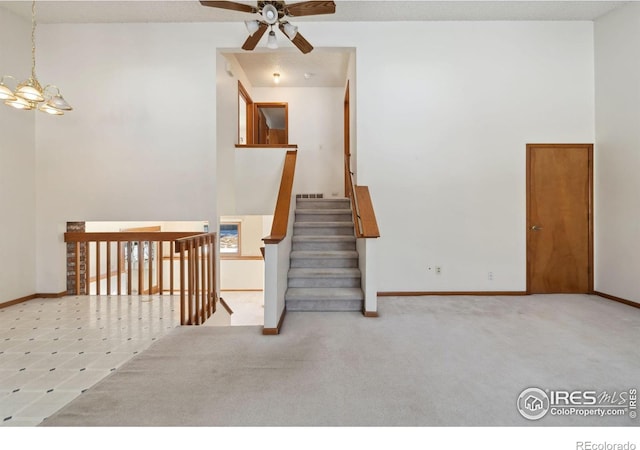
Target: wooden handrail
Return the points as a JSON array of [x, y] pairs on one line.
[[369, 224], [283, 205], [127, 236], [364, 217]]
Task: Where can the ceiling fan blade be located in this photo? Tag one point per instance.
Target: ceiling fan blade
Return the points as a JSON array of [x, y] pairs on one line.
[[231, 5], [299, 41], [253, 40], [310, 8]]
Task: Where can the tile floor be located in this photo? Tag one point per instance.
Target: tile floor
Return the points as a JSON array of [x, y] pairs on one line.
[[247, 306], [51, 350]]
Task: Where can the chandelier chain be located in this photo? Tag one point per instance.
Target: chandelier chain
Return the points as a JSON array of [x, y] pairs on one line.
[[33, 39]]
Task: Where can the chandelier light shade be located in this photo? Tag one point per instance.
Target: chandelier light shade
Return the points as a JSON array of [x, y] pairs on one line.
[[30, 94]]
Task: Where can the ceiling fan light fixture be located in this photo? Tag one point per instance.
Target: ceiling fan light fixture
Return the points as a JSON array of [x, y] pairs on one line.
[[252, 26], [270, 14], [290, 30], [272, 42]]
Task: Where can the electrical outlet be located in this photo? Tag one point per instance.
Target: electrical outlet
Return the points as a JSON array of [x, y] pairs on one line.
[[490, 276], [438, 270]]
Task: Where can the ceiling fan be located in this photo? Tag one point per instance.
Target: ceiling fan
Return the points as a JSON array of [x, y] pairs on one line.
[[276, 13]]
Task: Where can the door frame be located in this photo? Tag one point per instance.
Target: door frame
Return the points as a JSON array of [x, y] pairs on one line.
[[530, 149], [347, 142]]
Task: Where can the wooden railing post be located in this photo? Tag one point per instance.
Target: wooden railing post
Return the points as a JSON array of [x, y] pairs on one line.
[[183, 301], [108, 267]]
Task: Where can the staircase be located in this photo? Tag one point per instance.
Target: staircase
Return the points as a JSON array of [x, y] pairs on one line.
[[324, 274]]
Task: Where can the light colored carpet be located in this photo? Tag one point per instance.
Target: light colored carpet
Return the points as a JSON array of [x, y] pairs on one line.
[[427, 361]]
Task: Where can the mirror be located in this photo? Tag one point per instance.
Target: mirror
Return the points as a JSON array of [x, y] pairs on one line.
[[271, 124]]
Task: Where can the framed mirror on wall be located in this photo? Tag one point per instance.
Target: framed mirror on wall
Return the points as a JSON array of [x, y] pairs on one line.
[[261, 124]]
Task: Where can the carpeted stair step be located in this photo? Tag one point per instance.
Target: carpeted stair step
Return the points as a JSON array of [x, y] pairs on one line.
[[324, 299], [323, 215], [324, 278], [323, 203], [324, 259], [323, 229], [325, 243]]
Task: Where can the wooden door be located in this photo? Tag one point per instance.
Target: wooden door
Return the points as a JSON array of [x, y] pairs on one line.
[[559, 218]]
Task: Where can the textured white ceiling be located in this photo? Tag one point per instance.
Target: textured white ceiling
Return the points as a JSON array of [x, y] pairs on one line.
[[327, 66], [78, 11], [324, 67]]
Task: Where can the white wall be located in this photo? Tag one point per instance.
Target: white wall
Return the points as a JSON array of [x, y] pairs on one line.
[[17, 168], [140, 144], [617, 184], [227, 128], [256, 182], [316, 127], [444, 111]]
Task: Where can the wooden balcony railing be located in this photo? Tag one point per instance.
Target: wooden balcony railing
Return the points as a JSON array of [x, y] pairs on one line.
[[198, 294], [283, 205], [141, 263], [364, 216]]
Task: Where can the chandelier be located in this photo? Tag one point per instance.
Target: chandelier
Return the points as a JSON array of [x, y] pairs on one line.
[[30, 94]]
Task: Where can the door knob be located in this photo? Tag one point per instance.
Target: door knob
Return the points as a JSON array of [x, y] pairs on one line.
[[536, 228]]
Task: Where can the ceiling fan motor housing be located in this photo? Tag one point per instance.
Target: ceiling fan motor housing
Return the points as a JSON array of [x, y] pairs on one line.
[[272, 11]]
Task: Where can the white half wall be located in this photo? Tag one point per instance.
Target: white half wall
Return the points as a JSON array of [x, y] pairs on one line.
[[17, 168], [257, 177], [316, 127], [617, 155]]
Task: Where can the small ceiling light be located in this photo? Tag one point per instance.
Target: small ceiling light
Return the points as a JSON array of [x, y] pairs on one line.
[[276, 78], [252, 26], [272, 42], [290, 30]]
